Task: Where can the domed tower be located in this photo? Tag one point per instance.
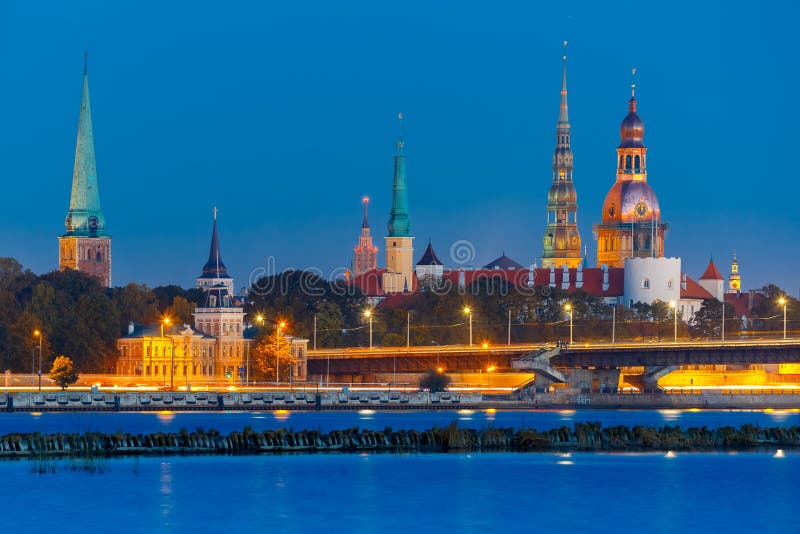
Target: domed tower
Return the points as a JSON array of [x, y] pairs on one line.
[[631, 226], [562, 241]]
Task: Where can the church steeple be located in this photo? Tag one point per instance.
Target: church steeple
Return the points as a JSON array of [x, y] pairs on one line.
[[399, 225], [85, 218], [399, 243], [85, 246], [562, 241], [214, 271]]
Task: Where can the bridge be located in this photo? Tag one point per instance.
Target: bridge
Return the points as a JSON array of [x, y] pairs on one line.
[[551, 361]]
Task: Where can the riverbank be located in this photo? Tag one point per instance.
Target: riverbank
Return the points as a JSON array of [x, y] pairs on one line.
[[382, 400], [583, 437]]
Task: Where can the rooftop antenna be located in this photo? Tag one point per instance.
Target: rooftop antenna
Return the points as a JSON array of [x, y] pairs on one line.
[[633, 82], [217, 251]]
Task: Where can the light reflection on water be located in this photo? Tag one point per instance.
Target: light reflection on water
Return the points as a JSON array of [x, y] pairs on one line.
[[369, 419], [302, 492]]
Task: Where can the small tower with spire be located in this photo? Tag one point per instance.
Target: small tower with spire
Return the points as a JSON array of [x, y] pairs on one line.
[[365, 255], [712, 281], [399, 275], [215, 274], [562, 241], [85, 246], [734, 279]]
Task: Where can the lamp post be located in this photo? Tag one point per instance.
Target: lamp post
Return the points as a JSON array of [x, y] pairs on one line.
[[675, 317], [260, 321], [281, 325], [315, 331], [468, 311], [368, 315], [782, 301], [408, 330], [613, 324], [509, 326], [723, 319], [568, 308], [167, 321], [37, 334], [437, 355]]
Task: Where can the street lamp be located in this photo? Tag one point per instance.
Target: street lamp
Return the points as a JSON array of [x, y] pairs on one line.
[[568, 308], [281, 325], [468, 311], [38, 334], [783, 302], [675, 316], [260, 321], [167, 321], [368, 315], [613, 324]]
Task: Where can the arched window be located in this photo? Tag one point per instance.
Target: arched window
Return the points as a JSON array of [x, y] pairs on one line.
[[636, 164], [627, 163], [646, 283], [620, 162]]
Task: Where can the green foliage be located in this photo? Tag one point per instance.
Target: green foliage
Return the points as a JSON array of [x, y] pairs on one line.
[[434, 381], [180, 311], [269, 350], [63, 372]]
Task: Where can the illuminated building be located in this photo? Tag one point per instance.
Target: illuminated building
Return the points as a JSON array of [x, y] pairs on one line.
[[734, 279], [562, 241], [216, 348], [365, 255], [399, 275], [631, 224], [85, 246]]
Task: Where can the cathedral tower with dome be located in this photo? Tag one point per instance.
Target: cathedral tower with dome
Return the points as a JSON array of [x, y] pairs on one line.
[[562, 241], [631, 226]]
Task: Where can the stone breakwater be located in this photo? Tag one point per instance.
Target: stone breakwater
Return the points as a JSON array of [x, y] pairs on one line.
[[588, 437]]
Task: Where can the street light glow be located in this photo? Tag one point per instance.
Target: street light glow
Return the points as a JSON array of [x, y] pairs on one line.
[[367, 313], [672, 304], [260, 318], [467, 310], [567, 307]]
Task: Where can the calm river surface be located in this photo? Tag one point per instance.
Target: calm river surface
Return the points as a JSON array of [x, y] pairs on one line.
[[388, 492]]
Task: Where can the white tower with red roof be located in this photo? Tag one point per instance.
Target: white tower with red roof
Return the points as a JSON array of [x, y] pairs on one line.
[[712, 281]]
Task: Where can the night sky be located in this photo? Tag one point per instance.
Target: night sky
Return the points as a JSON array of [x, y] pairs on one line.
[[284, 116]]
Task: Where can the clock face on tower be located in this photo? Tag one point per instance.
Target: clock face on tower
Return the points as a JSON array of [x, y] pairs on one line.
[[641, 210], [92, 223]]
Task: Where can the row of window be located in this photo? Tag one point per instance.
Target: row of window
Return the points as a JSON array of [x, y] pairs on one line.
[[628, 164]]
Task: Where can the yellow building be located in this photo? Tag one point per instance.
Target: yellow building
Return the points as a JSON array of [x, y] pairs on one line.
[[631, 224]]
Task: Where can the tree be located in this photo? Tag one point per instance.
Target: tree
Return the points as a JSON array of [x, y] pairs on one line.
[[434, 381], [708, 320], [270, 350], [63, 372], [135, 303], [180, 311]]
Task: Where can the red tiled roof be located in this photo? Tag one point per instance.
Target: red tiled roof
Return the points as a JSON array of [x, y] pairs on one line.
[[370, 283], [695, 291], [743, 303], [712, 273], [592, 279]]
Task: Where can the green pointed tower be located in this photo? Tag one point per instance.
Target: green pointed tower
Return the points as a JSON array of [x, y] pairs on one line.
[[399, 274], [85, 246]]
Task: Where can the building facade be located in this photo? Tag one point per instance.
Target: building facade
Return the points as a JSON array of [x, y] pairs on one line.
[[562, 241], [631, 224], [365, 255], [85, 246], [217, 348]]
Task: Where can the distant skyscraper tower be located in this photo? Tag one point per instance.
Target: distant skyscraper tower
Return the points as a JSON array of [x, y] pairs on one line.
[[562, 241], [734, 279], [215, 274], [399, 275], [631, 226], [365, 255], [85, 247]]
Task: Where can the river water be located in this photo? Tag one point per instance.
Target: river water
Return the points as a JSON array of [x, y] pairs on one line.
[[143, 422], [387, 492]]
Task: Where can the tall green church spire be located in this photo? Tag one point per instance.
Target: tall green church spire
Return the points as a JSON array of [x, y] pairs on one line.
[[399, 225], [85, 218]]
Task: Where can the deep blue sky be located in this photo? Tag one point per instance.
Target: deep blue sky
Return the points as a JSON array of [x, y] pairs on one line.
[[283, 116]]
